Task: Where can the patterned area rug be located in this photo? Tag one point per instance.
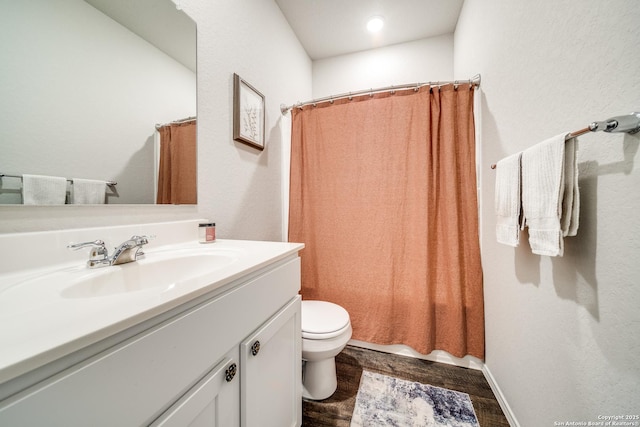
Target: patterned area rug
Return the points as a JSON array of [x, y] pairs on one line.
[[387, 401]]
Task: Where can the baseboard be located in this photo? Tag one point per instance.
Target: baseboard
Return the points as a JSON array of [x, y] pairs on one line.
[[435, 356], [504, 405]]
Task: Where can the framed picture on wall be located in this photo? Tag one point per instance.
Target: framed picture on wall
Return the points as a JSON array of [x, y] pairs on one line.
[[248, 113]]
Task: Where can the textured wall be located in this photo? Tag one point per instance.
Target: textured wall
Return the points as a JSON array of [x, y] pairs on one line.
[[562, 333], [239, 186]]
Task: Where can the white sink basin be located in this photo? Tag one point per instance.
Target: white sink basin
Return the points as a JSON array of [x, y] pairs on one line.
[[159, 271]]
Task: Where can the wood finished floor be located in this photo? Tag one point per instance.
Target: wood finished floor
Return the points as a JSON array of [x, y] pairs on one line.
[[336, 411]]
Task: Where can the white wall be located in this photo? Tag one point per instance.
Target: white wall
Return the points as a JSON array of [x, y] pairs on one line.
[[423, 60], [562, 333], [81, 96], [238, 186]]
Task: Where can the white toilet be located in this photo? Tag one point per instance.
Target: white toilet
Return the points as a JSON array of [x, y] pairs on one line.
[[326, 329]]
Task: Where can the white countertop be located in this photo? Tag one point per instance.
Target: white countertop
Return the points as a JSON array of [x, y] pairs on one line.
[[39, 324]]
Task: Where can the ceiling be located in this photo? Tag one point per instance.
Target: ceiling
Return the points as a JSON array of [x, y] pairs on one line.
[[325, 28], [329, 28]]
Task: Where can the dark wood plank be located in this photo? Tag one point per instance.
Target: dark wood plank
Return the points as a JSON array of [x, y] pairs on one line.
[[336, 411]]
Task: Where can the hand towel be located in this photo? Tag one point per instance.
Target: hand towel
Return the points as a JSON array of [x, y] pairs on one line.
[[571, 198], [43, 190], [88, 191], [508, 200], [543, 188]]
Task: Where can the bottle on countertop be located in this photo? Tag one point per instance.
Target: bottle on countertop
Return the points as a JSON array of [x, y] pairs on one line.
[[207, 232]]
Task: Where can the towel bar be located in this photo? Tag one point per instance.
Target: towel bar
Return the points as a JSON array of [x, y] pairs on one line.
[[629, 123], [109, 183]]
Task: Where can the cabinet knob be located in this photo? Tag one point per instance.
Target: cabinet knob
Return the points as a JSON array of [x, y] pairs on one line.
[[255, 348], [231, 372]]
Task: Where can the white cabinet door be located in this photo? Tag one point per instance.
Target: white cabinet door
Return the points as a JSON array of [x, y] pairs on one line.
[[212, 402], [271, 383]]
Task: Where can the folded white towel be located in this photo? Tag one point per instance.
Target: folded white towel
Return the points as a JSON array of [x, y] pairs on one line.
[[508, 200], [88, 191], [571, 198], [43, 190], [550, 194]]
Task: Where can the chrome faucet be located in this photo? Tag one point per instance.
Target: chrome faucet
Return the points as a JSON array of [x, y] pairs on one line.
[[128, 251]]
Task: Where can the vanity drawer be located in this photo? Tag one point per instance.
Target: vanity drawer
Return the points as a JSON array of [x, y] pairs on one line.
[[134, 382]]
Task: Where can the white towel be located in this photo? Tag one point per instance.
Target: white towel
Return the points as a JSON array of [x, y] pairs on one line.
[[550, 194], [508, 200], [88, 191], [43, 190], [571, 198]]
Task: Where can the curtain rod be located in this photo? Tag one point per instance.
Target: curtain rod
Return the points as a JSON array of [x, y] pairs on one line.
[[474, 82], [175, 122], [629, 123], [109, 183]]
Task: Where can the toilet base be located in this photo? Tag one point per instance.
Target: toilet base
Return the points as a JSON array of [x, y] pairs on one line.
[[319, 379]]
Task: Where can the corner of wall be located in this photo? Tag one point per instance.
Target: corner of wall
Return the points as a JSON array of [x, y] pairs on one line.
[[502, 401]]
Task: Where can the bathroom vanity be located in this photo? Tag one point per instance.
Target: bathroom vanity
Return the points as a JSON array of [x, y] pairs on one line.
[[218, 346]]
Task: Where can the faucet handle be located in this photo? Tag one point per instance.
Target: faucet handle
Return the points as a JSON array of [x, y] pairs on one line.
[[98, 251], [142, 240], [95, 243]]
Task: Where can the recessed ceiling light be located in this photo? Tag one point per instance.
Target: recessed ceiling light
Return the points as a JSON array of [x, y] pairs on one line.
[[375, 24]]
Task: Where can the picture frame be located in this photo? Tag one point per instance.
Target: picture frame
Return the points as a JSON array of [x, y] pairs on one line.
[[248, 114]]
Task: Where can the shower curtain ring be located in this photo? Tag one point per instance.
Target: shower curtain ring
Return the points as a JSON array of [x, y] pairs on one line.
[[350, 97], [455, 85], [371, 93]]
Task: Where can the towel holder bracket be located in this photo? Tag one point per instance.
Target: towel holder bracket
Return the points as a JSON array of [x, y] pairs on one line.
[[629, 123]]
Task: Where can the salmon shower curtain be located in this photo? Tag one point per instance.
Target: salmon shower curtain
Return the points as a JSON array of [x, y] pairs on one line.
[[177, 169], [383, 194]]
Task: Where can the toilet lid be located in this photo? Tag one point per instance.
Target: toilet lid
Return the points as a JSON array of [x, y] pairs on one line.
[[322, 317]]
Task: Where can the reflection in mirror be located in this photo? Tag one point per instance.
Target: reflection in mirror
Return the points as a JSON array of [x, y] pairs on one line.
[[82, 93]]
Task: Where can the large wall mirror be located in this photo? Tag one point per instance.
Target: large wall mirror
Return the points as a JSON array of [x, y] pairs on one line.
[[84, 87]]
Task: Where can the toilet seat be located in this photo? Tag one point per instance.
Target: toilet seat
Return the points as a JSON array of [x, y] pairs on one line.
[[323, 320]]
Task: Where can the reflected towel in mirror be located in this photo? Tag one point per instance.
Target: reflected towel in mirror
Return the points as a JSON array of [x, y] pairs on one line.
[[43, 190], [88, 191]]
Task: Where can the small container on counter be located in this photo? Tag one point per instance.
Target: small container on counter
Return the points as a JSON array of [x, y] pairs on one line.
[[207, 232]]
